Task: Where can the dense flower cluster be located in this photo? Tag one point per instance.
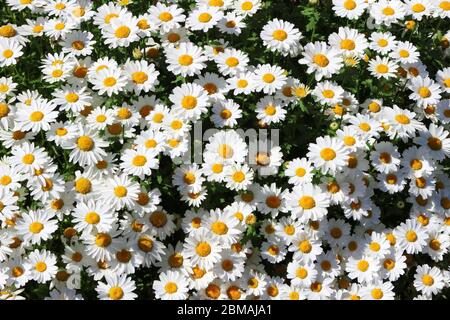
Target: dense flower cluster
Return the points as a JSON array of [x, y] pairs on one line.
[[98, 101]]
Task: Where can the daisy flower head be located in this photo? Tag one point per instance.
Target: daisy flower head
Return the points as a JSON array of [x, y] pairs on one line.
[[381, 42], [350, 9], [434, 141], [270, 110], [185, 60], [328, 153], [382, 68], [411, 237], [350, 41], [279, 35], [247, 8], [120, 191], [203, 18], [139, 162], [109, 80], [268, 78], [37, 117], [424, 91], [190, 100], [172, 285], [202, 249], [232, 61], [87, 146], [226, 113], [121, 31], [117, 287], [36, 226], [88, 216], [387, 12], [308, 202], [10, 51], [142, 76], [322, 60], [328, 92], [228, 146], [428, 280], [405, 52], [166, 17], [42, 265]]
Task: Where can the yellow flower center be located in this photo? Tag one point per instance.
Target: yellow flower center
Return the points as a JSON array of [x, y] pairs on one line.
[[403, 119], [203, 249], [109, 82], [321, 60], [204, 17], [329, 94], [307, 202], [225, 151], [36, 116], [270, 110], [382, 68], [36, 227], [388, 11], [60, 26], [247, 6], [377, 293], [57, 73], [385, 157], [411, 236], [418, 7], [72, 97], [363, 265], [374, 246], [116, 293], [189, 178], [427, 280], [348, 44], [268, 78], [305, 246], [139, 161], [424, 92], [158, 219], [78, 45], [85, 143], [238, 176], [28, 158], [165, 16], [217, 168], [92, 218], [103, 240], [145, 244], [279, 35], [349, 4], [185, 60], [403, 53], [120, 191], [327, 154], [8, 53], [5, 180], [139, 77], [189, 102], [242, 83], [7, 31], [83, 186], [171, 287], [225, 114], [122, 32], [40, 266]]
